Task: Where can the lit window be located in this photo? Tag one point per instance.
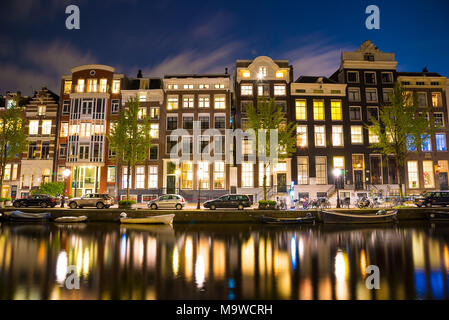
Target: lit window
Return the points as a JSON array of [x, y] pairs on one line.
[[142, 113], [219, 174], [303, 170], [246, 74], [321, 170], [204, 86], [203, 168], [187, 175], [426, 143], [301, 136], [67, 86], [436, 99], [154, 130], [115, 86], [337, 136], [187, 102], [336, 111], [203, 102], [247, 175], [219, 86], [91, 85], [279, 90], [7, 175], [339, 162], [279, 74], [301, 110], [125, 178], [41, 110], [219, 102], [140, 177], [372, 137], [188, 86], [356, 134], [103, 85], [413, 180], [262, 71], [154, 113], [33, 127], [318, 110], [64, 129], [111, 174], [320, 136], [152, 177], [429, 178], [410, 143], [172, 103], [142, 97], [247, 90], [440, 139], [80, 87]]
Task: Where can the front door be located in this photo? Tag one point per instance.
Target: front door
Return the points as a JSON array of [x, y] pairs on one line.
[[443, 181], [171, 184], [282, 182], [358, 179]]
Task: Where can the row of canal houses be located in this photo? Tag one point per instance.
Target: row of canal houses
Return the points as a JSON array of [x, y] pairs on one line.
[[70, 130]]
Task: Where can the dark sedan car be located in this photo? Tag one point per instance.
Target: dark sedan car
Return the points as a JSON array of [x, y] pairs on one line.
[[38, 200], [433, 198], [229, 201]]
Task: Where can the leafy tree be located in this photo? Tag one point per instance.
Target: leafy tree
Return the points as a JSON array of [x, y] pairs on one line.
[[400, 128], [266, 116], [130, 138], [13, 138], [50, 188]]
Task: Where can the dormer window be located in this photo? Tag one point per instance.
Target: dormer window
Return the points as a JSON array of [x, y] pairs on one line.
[[262, 72], [369, 57]]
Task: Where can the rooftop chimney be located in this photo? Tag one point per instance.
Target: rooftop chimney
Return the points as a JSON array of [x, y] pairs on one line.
[[226, 70], [139, 74]]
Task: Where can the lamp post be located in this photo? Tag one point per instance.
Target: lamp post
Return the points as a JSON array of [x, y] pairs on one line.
[[337, 174], [200, 177], [66, 174]]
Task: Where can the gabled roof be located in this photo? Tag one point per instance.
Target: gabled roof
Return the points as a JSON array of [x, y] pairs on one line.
[[313, 79]]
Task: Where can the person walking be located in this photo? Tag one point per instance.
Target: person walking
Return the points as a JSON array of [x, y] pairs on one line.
[[62, 201]]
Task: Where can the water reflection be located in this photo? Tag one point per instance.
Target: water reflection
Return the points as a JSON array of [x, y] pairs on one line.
[[223, 261]]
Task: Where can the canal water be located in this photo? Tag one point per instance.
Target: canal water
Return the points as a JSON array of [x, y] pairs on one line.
[[217, 261]]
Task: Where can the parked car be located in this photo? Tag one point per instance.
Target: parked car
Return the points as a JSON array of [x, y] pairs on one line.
[[37, 200], [433, 198], [97, 200], [168, 201], [229, 201]]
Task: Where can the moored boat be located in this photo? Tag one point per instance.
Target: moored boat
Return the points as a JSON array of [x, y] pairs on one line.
[[71, 219], [28, 216], [438, 215], [339, 217], [299, 220], [164, 219]]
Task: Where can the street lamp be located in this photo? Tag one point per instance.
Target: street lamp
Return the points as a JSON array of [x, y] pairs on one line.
[[200, 177], [337, 174], [66, 173]]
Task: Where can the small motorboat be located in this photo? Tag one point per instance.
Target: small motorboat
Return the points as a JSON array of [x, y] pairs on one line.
[[161, 219], [71, 219], [28, 216], [381, 216], [299, 220], [438, 215]]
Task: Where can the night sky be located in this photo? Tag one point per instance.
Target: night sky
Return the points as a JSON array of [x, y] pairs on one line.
[[167, 37]]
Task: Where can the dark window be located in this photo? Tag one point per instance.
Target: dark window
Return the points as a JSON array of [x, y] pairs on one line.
[[115, 106], [354, 113], [32, 150], [187, 122], [369, 57], [45, 154], [220, 122], [204, 122], [171, 144], [370, 78], [353, 76], [66, 106], [373, 112], [244, 105], [282, 105], [62, 150], [387, 77], [154, 152], [84, 152], [172, 123]]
